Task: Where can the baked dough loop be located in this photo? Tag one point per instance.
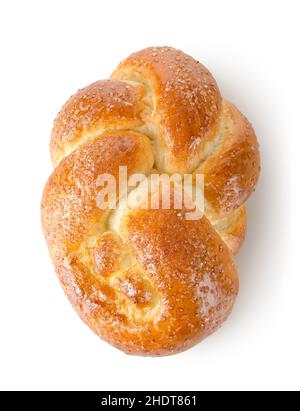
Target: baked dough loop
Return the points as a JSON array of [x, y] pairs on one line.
[[150, 282]]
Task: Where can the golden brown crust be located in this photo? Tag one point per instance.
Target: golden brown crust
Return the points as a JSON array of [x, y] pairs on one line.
[[231, 170], [69, 209], [186, 103], [149, 282], [232, 229], [176, 290], [103, 105]]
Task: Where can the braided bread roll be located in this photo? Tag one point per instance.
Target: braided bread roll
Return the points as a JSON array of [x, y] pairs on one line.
[[150, 282]]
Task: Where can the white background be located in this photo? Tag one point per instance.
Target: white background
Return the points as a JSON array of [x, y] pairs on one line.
[[51, 48]]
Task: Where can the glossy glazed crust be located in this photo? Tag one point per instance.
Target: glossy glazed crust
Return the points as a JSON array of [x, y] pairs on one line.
[[172, 292], [103, 105], [232, 228], [186, 103], [69, 208], [143, 291], [149, 282], [232, 168]]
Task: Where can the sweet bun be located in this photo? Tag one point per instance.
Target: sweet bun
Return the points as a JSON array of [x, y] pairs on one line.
[[150, 281]]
